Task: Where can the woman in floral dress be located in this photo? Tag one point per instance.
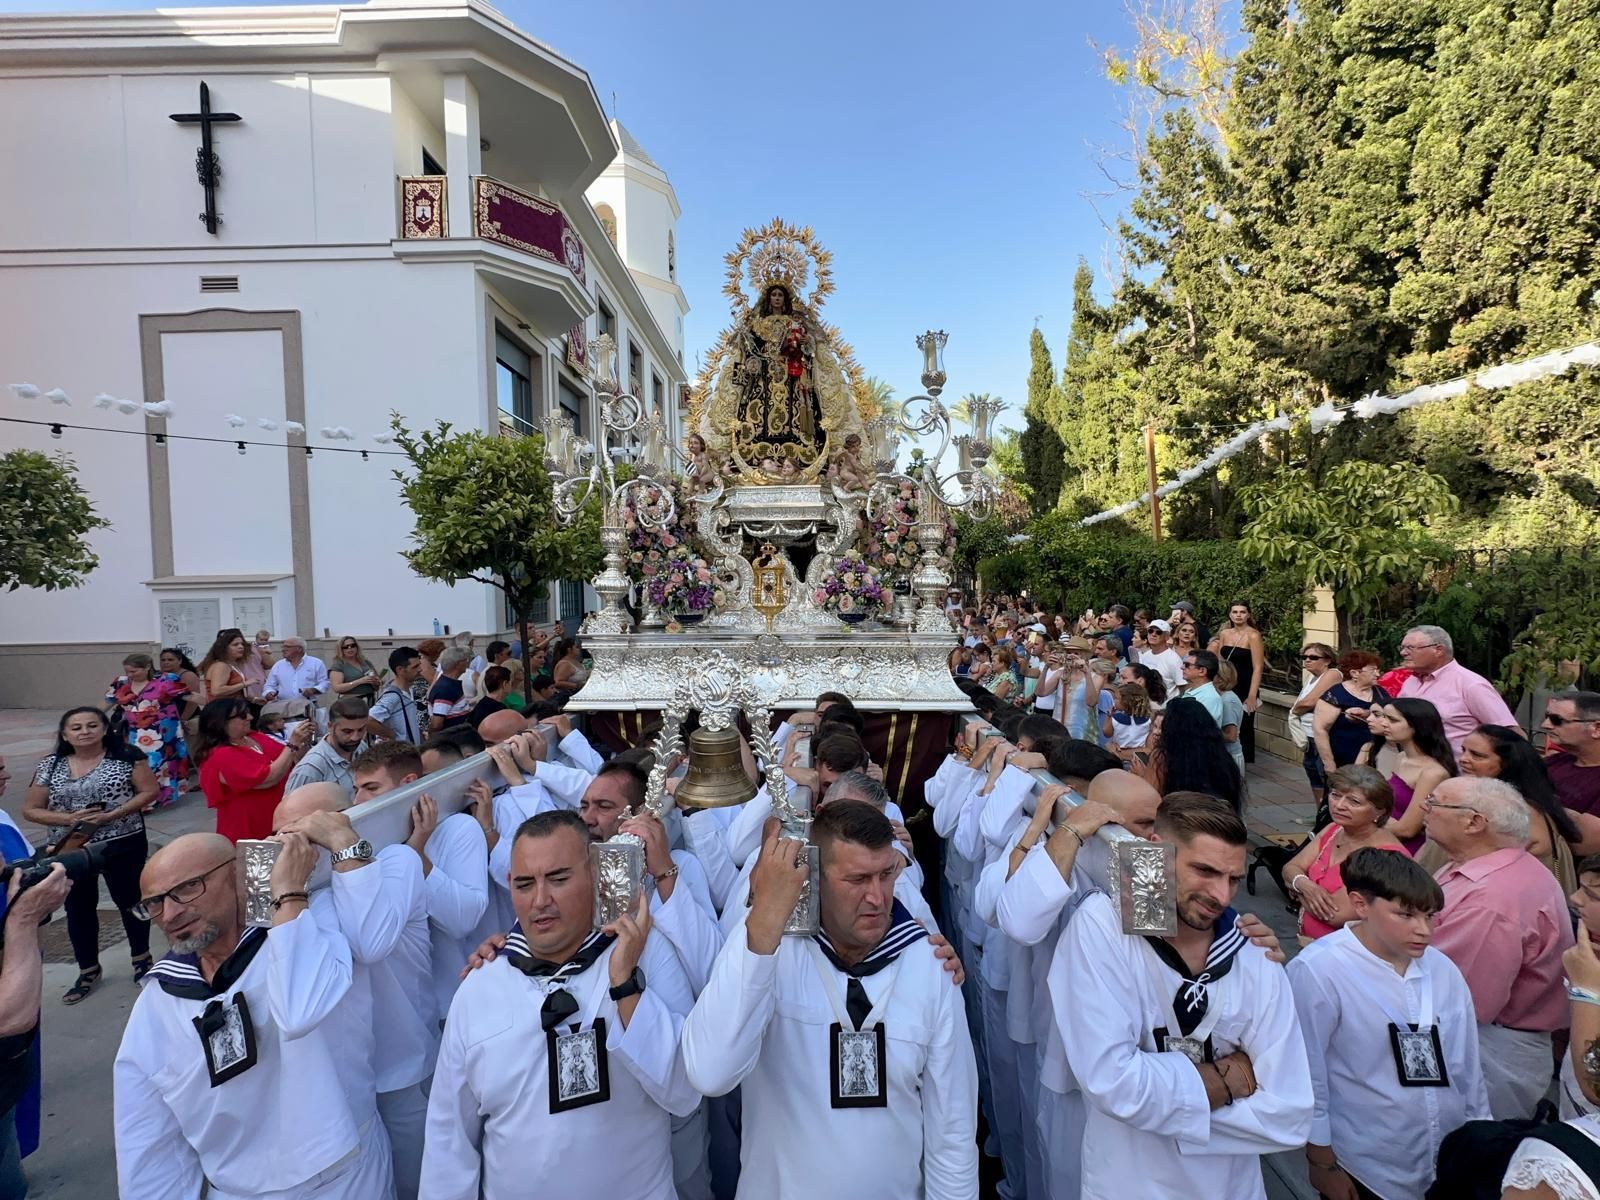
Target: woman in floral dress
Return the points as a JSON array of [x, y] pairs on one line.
[[150, 703]]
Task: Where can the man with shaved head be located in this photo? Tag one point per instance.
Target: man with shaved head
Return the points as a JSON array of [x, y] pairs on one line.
[[377, 902], [497, 727], [236, 1073]]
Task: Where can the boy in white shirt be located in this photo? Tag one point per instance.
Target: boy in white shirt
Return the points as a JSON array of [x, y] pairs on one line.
[[1391, 1037]]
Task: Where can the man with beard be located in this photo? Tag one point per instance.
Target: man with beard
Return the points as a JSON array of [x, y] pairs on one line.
[[1187, 1047], [560, 1061], [329, 759], [245, 1067], [851, 1048]]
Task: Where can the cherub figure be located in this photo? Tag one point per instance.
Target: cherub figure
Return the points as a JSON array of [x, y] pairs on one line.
[[705, 473], [848, 473]]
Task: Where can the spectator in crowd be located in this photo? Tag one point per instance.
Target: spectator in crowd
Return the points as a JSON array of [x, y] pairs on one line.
[[1424, 762], [151, 707], [1233, 714], [515, 689], [1159, 655], [567, 672], [1240, 644], [174, 661], [1118, 623], [394, 713], [496, 681], [297, 676], [1572, 727], [21, 989], [1127, 727], [93, 782], [329, 759], [1183, 612], [1360, 801], [448, 703], [1102, 686], [1109, 650], [1199, 682], [257, 662], [1073, 704], [1005, 681], [1499, 752], [430, 649], [352, 675], [1340, 723], [1189, 755], [1464, 698], [223, 666], [1155, 685], [1505, 925], [243, 772], [497, 653], [1385, 1100], [1317, 659]]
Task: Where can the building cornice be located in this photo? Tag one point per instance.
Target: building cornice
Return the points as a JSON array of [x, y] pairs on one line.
[[620, 278], [656, 181]]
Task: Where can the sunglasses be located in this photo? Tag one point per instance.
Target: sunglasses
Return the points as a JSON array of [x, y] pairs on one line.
[[1558, 721], [1313, 658]]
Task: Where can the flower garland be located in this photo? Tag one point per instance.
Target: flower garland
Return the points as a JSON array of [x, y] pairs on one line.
[[684, 584], [651, 548], [849, 589], [889, 542]]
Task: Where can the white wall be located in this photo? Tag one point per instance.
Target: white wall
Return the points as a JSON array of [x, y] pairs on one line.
[[96, 162], [412, 130]]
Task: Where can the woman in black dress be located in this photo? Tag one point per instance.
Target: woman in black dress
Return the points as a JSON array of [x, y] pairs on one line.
[[1241, 645]]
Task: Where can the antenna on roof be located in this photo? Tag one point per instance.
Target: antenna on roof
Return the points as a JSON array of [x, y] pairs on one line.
[[614, 106]]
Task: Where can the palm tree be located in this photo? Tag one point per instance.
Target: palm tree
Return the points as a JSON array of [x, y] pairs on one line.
[[961, 411], [879, 395]]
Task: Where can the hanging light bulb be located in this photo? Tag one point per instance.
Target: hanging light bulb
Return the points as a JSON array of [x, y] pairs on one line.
[[308, 451], [161, 439], [55, 431], [364, 456], [241, 447]]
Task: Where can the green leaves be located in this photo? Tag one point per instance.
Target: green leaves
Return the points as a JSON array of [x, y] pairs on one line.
[[45, 520], [485, 511]]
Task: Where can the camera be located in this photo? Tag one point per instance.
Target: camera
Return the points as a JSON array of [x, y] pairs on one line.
[[79, 864]]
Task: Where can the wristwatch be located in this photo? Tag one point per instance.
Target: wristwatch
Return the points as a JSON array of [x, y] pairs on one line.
[[633, 985], [361, 851]]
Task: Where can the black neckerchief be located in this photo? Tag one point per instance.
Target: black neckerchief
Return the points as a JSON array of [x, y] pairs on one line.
[[1192, 999], [559, 1003], [904, 929], [179, 974]]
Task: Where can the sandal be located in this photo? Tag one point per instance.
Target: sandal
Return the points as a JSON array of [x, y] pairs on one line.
[[80, 990], [142, 965]]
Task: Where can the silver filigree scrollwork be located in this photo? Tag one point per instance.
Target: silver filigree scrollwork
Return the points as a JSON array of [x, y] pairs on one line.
[[1144, 874], [255, 861]]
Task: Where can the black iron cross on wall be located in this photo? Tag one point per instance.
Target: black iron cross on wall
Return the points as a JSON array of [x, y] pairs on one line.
[[206, 164]]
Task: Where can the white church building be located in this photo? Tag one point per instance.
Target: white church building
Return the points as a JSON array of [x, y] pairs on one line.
[[413, 208]]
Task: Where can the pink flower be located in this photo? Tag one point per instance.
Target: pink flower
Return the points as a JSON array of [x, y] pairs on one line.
[[820, 596], [649, 569], [703, 575], [668, 540], [891, 537], [890, 559], [676, 577], [846, 604]]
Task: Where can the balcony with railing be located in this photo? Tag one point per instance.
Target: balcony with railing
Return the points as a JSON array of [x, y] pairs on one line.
[[525, 242]]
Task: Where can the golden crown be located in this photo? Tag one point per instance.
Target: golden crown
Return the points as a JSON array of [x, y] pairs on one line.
[[780, 260]]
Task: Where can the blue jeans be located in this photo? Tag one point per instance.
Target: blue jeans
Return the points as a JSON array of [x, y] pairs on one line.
[[13, 1184]]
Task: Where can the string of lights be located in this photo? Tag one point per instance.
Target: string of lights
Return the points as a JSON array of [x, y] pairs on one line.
[[59, 428]]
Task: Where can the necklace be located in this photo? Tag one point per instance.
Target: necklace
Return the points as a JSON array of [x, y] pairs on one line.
[[94, 765]]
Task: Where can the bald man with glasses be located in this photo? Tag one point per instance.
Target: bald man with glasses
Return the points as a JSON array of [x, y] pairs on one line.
[[1464, 698]]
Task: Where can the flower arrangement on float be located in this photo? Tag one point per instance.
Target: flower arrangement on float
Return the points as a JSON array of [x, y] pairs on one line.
[[684, 586], [889, 541], [851, 591], [650, 546]]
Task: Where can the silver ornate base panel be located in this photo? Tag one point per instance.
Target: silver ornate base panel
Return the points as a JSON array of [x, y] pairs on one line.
[[617, 865], [1143, 874], [882, 669], [255, 862]]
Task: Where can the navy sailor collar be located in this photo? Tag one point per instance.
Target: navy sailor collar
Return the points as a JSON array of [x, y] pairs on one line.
[[180, 975], [904, 929]]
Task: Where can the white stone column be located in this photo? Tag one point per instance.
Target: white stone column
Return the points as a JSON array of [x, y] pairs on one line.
[[463, 150]]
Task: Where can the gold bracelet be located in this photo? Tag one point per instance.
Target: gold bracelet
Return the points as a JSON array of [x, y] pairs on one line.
[[1076, 834]]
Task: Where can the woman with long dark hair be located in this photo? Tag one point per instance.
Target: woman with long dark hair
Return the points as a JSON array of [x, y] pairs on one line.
[[242, 772], [1155, 685], [1190, 756], [1414, 728], [1240, 643], [93, 779], [1500, 752], [223, 665], [150, 705]]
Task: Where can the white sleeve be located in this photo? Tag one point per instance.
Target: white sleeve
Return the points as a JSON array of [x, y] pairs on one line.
[[375, 902], [950, 1106], [154, 1159], [511, 808], [704, 835], [1277, 1115], [319, 675], [1159, 1093], [309, 968], [456, 890], [968, 836], [648, 1047], [986, 894], [1319, 1023], [689, 928], [744, 835], [1032, 899], [738, 906], [998, 818], [576, 747], [956, 791], [723, 1035], [910, 895], [452, 1158], [566, 785]]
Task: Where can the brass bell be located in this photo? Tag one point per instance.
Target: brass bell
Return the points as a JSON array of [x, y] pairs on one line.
[[716, 777]]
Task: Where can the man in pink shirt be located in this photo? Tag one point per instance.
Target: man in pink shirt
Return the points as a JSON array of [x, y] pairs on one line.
[[1505, 925], [1464, 698]]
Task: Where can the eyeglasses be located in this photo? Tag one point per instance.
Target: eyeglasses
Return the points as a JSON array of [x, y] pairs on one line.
[[1313, 658], [183, 893], [1430, 802], [1404, 646], [1557, 720]]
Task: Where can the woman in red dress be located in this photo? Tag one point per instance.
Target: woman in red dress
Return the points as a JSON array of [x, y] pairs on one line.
[[242, 772]]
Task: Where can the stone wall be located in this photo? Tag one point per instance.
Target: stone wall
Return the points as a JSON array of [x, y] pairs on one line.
[[1272, 726]]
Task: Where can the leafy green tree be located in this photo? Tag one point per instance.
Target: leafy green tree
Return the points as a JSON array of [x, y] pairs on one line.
[[45, 522], [484, 510], [1043, 456], [1361, 527]]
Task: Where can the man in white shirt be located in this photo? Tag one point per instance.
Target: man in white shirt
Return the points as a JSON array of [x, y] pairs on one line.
[[559, 1066], [455, 857], [851, 1048], [296, 676], [1187, 1047], [379, 907], [1391, 1035], [232, 1075], [1160, 657]]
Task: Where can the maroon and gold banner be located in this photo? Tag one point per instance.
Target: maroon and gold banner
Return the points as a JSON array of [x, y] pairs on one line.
[[504, 214], [578, 350], [422, 208]]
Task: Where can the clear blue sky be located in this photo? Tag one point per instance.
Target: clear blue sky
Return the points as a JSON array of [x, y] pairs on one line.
[[944, 152]]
